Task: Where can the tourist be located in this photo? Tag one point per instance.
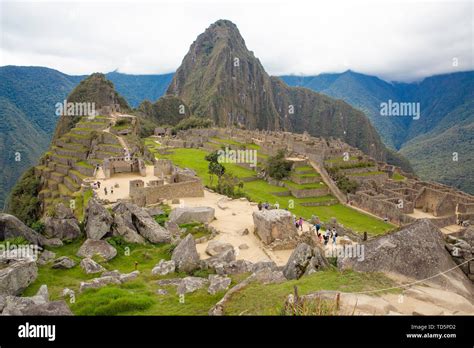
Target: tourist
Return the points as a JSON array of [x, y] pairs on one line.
[[98, 184], [334, 236], [300, 223], [105, 191], [326, 237], [260, 206]]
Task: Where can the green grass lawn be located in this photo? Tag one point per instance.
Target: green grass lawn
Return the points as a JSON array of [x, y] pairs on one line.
[[259, 299], [195, 160], [294, 185], [398, 177]]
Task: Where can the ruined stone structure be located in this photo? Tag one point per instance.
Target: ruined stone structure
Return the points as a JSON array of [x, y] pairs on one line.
[[396, 199], [180, 186], [114, 165]]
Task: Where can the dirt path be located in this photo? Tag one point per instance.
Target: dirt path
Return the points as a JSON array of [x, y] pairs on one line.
[[232, 217], [123, 182]]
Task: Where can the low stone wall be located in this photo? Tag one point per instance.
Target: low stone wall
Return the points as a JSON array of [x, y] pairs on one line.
[[378, 178], [358, 170], [320, 204], [444, 221], [187, 187], [300, 180], [304, 193]]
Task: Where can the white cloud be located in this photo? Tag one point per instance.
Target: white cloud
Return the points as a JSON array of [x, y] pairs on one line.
[[403, 40]]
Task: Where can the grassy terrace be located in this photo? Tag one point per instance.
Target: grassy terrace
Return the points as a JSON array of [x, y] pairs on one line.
[[294, 185], [236, 143], [398, 177], [366, 173], [260, 191]]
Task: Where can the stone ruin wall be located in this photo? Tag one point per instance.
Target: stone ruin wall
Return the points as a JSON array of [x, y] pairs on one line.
[[383, 207], [187, 186]]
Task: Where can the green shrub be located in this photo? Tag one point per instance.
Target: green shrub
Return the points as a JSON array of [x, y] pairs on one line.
[[24, 202], [193, 122], [38, 226], [277, 167], [111, 301]]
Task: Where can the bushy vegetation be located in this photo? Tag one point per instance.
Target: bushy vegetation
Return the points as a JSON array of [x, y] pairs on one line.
[[193, 122], [227, 183], [24, 202], [277, 167], [343, 182]]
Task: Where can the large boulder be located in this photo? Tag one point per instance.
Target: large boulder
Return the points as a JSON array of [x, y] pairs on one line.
[[64, 229], [97, 247], [98, 220], [191, 284], [16, 275], [216, 247], [45, 257], [218, 283], [304, 259], [90, 266], [135, 223], [184, 215], [274, 224], [63, 212], [418, 252], [164, 267], [35, 305], [123, 227], [149, 228], [185, 255], [12, 227], [108, 278], [63, 262]]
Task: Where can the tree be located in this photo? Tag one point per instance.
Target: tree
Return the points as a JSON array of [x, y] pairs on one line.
[[214, 167], [277, 166]]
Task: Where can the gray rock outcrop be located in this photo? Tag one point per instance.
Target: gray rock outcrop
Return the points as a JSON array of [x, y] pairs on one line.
[[216, 247], [417, 251], [16, 275], [184, 215], [218, 283], [90, 266], [274, 224], [164, 267], [98, 220], [63, 262], [97, 247], [304, 260], [185, 255], [12, 227]]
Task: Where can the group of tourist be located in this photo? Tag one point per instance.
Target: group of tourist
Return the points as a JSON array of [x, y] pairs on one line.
[[96, 186], [262, 206]]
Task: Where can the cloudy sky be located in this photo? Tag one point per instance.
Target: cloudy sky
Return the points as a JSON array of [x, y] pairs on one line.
[[395, 40]]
